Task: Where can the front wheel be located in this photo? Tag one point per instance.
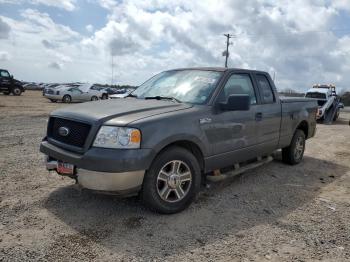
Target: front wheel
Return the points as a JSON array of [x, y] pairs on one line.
[[16, 91], [293, 154], [53, 100], [94, 98], [172, 182], [336, 116], [104, 96]]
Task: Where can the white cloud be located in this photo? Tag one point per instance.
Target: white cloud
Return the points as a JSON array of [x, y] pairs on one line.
[[55, 65], [4, 56], [68, 5], [292, 38], [4, 29], [89, 28]]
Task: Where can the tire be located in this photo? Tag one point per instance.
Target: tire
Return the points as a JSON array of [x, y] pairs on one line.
[[94, 98], [104, 96], [16, 91], [336, 116], [67, 99], [293, 154], [162, 189], [53, 100]]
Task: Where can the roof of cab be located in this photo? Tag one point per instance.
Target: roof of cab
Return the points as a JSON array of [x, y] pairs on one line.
[[218, 69], [319, 90]]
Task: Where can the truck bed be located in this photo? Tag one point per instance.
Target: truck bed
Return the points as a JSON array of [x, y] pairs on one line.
[[285, 99]]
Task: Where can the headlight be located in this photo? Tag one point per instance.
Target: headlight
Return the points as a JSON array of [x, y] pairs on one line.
[[118, 137]]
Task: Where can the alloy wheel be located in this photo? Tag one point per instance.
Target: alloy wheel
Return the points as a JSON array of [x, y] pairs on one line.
[[174, 181]]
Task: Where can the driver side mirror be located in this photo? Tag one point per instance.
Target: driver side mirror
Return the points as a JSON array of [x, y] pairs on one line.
[[236, 103]]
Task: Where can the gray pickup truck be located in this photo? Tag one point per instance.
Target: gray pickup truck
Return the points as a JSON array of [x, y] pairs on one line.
[[180, 126]]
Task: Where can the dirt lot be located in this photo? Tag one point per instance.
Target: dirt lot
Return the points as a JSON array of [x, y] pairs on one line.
[[274, 213]]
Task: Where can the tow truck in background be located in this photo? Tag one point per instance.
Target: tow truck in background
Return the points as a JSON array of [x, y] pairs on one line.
[[329, 104]]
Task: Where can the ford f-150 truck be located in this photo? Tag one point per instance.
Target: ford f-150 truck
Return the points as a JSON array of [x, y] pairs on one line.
[[164, 138]]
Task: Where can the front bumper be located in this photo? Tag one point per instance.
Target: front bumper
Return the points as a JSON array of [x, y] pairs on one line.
[[126, 183], [100, 169]]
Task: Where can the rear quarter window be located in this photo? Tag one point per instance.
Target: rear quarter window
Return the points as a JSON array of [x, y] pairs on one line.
[[265, 88]]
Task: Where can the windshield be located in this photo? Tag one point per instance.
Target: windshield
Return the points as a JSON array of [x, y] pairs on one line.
[[191, 86]]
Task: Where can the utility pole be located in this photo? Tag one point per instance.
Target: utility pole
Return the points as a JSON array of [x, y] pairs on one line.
[[226, 53]]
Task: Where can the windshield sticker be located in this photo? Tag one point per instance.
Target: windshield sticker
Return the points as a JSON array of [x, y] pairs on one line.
[[206, 80]]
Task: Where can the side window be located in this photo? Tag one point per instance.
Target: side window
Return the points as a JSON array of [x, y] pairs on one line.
[[76, 90], [238, 84], [265, 89]]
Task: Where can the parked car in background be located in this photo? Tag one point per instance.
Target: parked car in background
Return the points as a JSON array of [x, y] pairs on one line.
[[10, 85], [121, 95], [106, 91], [67, 94], [50, 86]]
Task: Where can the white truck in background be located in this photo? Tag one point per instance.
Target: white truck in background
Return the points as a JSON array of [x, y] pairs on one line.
[[328, 102]]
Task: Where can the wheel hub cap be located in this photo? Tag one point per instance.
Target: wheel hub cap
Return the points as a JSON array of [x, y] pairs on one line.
[[173, 181]]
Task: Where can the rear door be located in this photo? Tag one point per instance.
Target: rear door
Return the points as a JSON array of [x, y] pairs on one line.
[[268, 114], [234, 132]]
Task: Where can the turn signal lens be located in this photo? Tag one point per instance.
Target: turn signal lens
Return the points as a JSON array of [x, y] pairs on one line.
[[135, 136]]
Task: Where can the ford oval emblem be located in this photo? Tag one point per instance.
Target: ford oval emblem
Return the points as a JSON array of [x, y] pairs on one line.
[[63, 131]]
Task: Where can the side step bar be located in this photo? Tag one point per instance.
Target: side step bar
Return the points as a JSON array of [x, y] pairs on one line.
[[218, 176]]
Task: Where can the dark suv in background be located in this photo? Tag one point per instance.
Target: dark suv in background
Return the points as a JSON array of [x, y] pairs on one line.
[[10, 85]]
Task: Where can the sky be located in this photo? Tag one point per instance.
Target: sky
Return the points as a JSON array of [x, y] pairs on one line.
[[300, 42]]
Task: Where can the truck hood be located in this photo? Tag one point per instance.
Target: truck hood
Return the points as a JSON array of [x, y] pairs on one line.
[[17, 82], [118, 111]]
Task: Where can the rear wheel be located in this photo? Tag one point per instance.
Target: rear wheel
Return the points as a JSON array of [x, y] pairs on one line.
[[172, 182], [293, 154], [67, 99], [16, 91], [94, 98], [53, 100]]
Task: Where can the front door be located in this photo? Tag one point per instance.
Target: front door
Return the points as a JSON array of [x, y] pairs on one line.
[[233, 134], [77, 94], [5, 80]]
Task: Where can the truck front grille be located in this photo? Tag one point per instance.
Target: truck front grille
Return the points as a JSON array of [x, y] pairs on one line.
[[77, 131]]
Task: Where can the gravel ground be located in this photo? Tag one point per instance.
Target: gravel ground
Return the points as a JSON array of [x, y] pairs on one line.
[[273, 213]]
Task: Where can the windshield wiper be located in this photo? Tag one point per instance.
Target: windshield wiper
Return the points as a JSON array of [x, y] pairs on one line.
[[164, 98]]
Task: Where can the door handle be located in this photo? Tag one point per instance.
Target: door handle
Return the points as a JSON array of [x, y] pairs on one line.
[[258, 116]]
